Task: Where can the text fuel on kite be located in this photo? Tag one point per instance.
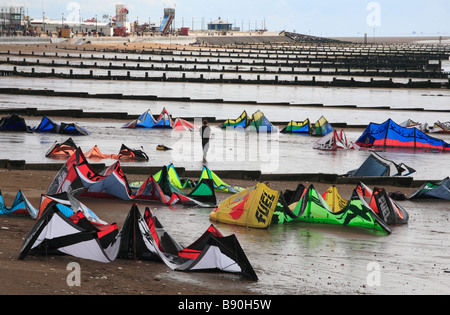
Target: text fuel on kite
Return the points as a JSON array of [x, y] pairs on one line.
[[231, 304]]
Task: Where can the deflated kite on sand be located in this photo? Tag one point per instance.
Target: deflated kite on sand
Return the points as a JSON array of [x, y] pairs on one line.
[[140, 238], [252, 207]]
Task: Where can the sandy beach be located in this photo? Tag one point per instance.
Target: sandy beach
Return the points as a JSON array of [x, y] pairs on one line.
[[38, 275], [47, 274], [289, 259]]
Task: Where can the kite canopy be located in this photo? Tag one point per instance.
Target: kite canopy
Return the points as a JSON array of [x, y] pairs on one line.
[[96, 154], [203, 191], [387, 209], [292, 196], [125, 154], [136, 241], [389, 134], [378, 200], [441, 127], [333, 141], [242, 121], [218, 182], [375, 165], [69, 206], [334, 200], [68, 147], [170, 182], [260, 123], [252, 207], [321, 127], [439, 190], [20, 206], [55, 233], [13, 123], [175, 180], [298, 127], [16, 123], [313, 209], [110, 183], [140, 238], [183, 125], [72, 129], [185, 183], [49, 126], [146, 238], [78, 178], [413, 124], [62, 150], [150, 190], [146, 120]]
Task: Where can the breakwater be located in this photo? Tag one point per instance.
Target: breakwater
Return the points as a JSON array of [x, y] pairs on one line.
[[325, 178], [290, 63], [80, 113]]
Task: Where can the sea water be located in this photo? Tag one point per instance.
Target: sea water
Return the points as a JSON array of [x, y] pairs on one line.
[[270, 153]]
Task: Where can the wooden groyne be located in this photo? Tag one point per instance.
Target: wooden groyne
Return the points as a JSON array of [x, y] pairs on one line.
[[280, 63], [231, 67], [326, 178], [79, 113], [200, 78]]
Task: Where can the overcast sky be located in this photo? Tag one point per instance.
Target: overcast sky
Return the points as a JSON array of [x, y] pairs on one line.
[[317, 17]]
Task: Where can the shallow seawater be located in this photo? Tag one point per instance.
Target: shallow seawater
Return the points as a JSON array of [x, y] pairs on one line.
[[275, 153], [230, 150]]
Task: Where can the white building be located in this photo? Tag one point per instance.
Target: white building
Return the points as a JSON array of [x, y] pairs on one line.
[[49, 26]]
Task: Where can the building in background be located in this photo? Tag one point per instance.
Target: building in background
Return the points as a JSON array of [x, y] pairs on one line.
[[13, 19], [121, 25], [89, 27], [220, 25]]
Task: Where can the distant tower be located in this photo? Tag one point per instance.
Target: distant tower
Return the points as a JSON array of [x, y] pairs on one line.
[[121, 14]]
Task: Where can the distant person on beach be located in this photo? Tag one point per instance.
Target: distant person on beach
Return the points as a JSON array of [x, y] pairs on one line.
[[205, 133]]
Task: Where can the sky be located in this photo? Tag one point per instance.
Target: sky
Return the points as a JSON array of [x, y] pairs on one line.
[[318, 17]]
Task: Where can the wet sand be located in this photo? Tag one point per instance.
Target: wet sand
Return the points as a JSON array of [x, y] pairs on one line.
[[288, 259]]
